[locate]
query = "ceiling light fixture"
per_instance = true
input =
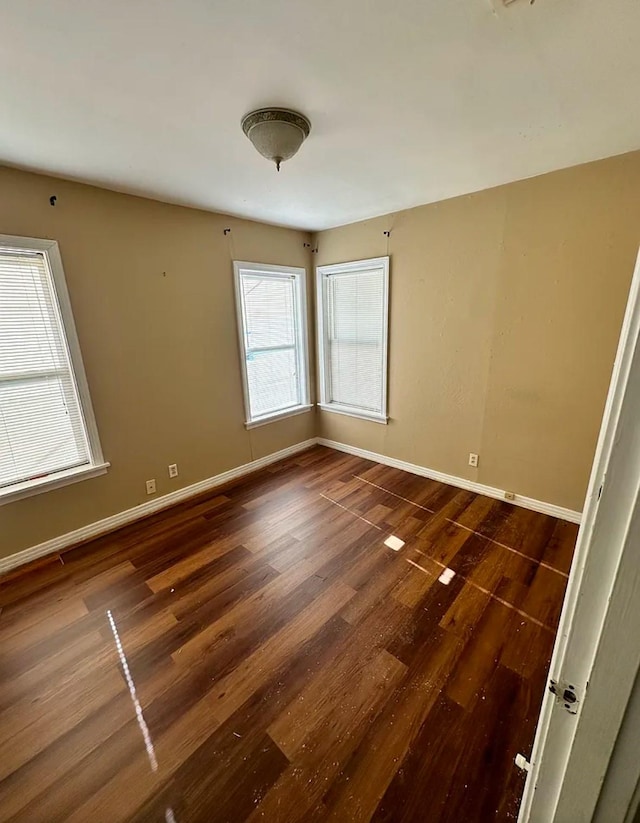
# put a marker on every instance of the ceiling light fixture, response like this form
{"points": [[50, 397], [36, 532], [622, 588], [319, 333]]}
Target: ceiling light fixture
{"points": [[276, 133]]}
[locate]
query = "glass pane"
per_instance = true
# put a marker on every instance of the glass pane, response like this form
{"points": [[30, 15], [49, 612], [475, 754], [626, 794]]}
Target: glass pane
{"points": [[36, 430], [30, 339], [356, 374], [273, 381], [269, 308], [41, 423], [356, 325]]}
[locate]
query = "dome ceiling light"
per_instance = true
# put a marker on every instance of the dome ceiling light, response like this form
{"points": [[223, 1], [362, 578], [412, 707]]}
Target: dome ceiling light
{"points": [[276, 133]]}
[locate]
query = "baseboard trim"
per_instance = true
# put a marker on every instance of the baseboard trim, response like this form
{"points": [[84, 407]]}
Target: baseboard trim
{"points": [[452, 480], [109, 524]]}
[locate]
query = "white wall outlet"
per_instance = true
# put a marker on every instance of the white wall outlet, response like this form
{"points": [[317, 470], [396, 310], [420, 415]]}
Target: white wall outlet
{"points": [[473, 460], [509, 495], [173, 470], [151, 486]]}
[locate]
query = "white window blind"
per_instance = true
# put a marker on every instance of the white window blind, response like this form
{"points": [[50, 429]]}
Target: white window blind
{"points": [[352, 325], [273, 339], [42, 423]]}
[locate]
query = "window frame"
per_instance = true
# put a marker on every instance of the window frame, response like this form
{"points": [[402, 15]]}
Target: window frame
{"points": [[97, 465], [324, 377], [299, 276]]}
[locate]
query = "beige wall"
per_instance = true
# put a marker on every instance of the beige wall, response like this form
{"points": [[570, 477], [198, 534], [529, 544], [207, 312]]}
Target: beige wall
{"points": [[505, 312], [160, 352], [506, 309]]}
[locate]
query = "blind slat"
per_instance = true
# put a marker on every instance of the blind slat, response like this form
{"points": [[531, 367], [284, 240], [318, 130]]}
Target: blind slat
{"points": [[42, 429], [271, 342], [354, 306]]}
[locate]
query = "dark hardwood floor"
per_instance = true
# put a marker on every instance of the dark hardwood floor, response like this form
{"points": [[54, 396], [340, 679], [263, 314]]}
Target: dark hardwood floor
{"points": [[259, 653]]}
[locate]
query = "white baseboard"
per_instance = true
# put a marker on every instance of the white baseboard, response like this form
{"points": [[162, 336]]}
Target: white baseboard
{"points": [[460, 482], [109, 524]]}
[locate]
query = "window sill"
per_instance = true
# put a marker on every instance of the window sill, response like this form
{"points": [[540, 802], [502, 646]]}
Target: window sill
{"points": [[281, 415], [45, 484], [351, 412]]}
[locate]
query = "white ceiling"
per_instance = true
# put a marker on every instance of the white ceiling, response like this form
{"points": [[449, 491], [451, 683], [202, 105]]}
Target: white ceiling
{"points": [[411, 101]]}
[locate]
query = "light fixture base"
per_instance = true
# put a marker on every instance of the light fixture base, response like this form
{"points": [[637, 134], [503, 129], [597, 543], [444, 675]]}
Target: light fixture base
{"points": [[276, 133]]}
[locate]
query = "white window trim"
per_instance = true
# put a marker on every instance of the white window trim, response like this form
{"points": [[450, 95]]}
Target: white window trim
{"points": [[97, 464], [300, 276], [322, 273]]}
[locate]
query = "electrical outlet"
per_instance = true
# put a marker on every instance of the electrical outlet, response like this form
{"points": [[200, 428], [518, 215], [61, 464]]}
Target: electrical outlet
{"points": [[173, 470], [509, 495], [151, 486], [473, 460]]}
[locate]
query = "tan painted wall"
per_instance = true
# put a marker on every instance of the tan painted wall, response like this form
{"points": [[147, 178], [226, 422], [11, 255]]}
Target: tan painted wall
{"points": [[160, 352], [505, 312], [506, 309]]}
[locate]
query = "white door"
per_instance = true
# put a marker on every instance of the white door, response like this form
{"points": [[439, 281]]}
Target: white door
{"points": [[597, 649]]}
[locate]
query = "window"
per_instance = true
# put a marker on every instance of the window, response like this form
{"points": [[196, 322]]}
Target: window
{"points": [[352, 337], [48, 436], [272, 314]]}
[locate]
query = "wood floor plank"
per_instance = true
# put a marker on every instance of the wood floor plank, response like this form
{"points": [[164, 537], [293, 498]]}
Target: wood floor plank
{"points": [[315, 709], [357, 791], [259, 653], [75, 764], [317, 760], [123, 794], [223, 756], [27, 729], [234, 689], [482, 654]]}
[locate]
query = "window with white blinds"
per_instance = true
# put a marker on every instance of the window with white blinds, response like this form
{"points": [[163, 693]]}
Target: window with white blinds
{"points": [[273, 340], [44, 435], [352, 332]]}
